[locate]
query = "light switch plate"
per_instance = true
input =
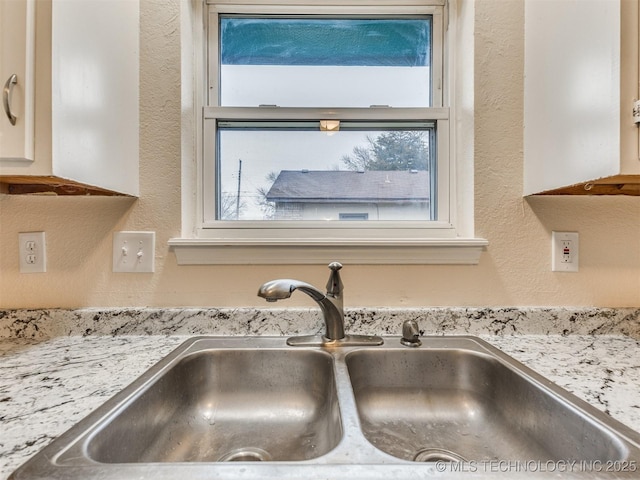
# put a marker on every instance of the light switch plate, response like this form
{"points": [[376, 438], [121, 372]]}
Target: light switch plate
{"points": [[134, 252]]}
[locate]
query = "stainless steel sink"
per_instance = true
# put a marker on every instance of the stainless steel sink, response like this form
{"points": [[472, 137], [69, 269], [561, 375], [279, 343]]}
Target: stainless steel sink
{"points": [[256, 408], [228, 405], [459, 404]]}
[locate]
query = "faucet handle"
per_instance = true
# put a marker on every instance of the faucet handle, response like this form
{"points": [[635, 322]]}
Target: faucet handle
{"points": [[334, 285]]}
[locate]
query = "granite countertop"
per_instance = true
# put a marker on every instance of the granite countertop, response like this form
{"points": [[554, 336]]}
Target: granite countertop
{"points": [[50, 382]]}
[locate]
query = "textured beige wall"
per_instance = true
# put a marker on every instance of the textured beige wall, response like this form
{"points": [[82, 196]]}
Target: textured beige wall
{"points": [[514, 271]]}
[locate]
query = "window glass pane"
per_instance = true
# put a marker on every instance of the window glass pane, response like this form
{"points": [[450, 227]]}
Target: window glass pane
{"points": [[319, 62], [297, 172]]}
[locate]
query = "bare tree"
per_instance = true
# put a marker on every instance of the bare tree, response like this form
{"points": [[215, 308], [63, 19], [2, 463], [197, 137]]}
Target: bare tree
{"points": [[268, 208], [229, 206]]}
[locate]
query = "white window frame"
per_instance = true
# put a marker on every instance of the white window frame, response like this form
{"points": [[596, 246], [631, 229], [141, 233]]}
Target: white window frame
{"points": [[206, 240]]}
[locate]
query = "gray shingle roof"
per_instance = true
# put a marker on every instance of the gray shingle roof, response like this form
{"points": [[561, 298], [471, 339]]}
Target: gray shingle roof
{"points": [[348, 186]]}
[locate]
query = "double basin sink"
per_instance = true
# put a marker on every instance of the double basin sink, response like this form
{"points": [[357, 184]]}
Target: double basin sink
{"points": [[256, 408]]}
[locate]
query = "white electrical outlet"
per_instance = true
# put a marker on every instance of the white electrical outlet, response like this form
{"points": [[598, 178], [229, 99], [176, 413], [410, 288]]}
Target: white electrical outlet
{"points": [[564, 251], [134, 252], [33, 252]]}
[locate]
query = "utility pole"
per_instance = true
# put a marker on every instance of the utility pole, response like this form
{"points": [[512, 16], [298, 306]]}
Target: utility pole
{"points": [[238, 195]]}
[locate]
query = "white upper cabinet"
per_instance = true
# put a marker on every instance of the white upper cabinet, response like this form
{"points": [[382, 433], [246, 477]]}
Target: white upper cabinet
{"points": [[83, 89], [17, 36], [581, 82]]}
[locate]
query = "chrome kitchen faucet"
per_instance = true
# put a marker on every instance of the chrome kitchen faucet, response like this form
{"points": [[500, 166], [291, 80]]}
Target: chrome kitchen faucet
{"points": [[331, 305]]}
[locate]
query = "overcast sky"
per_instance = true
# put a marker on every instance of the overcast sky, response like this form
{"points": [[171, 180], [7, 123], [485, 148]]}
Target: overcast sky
{"points": [[263, 152]]}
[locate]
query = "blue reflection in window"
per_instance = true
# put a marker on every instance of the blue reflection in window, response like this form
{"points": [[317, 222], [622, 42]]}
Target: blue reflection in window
{"points": [[340, 42]]}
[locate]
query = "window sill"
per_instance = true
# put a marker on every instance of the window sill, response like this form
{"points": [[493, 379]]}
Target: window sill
{"points": [[449, 251]]}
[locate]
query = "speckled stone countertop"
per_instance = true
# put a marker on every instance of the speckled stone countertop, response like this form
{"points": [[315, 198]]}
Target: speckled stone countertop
{"points": [[56, 366]]}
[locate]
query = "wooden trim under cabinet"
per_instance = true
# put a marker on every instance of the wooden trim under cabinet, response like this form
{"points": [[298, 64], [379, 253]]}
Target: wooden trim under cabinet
{"points": [[49, 185], [615, 185]]}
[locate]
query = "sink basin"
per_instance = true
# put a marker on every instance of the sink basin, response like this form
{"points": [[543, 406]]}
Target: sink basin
{"points": [[462, 405], [249, 408], [228, 405]]}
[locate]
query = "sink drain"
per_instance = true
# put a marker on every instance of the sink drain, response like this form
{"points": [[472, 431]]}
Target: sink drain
{"points": [[249, 454], [437, 455]]}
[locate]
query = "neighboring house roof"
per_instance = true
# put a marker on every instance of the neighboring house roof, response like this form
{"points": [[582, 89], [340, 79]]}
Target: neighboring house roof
{"points": [[347, 186]]}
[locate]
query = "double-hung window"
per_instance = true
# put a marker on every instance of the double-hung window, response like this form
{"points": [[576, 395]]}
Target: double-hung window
{"points": [[326, 130]]}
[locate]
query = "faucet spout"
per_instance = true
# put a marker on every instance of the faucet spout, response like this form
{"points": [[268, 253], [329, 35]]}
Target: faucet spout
{"points": [[331, 303]]}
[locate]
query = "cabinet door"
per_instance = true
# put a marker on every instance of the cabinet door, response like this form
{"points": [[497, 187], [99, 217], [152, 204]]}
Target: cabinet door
{"points": [[581, 79], [17, 52]]}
